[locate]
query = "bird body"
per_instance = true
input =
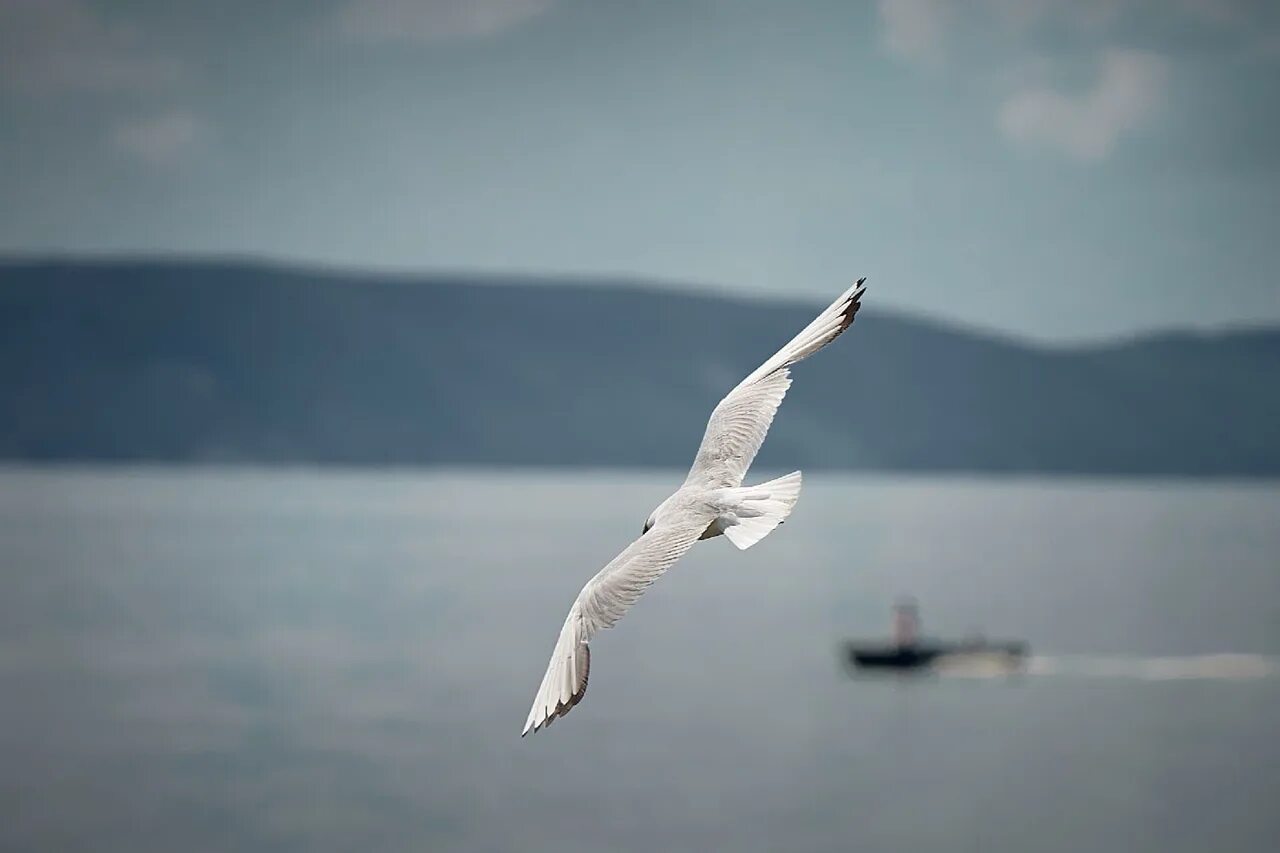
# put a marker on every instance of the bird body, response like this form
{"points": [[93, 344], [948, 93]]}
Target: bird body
{"points": [[711, 502]]}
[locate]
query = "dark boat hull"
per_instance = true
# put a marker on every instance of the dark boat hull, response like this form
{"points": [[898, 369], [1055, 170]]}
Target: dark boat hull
{"points": [[920, 655]]}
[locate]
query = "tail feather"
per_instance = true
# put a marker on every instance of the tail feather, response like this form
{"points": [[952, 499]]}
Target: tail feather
{"points": [[761, 508]]}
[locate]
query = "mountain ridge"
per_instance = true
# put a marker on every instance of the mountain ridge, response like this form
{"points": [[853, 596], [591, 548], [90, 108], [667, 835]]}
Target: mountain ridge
{"points": [[234, 360]]}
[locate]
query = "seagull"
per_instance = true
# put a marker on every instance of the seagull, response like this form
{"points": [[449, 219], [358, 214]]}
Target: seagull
{"points": [[711, 501]]}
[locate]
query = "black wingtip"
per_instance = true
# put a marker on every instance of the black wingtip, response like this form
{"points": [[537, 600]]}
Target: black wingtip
{"points": [[563, 708], [855, 302]]}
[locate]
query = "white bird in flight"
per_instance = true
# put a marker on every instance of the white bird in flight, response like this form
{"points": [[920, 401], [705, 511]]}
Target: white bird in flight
{"points": [[711, 501]]}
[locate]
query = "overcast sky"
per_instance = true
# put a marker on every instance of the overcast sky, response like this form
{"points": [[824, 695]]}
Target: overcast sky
{"points": [[1059, 170]]}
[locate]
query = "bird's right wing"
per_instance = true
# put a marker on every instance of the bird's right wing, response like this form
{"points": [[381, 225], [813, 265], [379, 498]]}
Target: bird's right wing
{"points": [[741, 420], [602, 602]]}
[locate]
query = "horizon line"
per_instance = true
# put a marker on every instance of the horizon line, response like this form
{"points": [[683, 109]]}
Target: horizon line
{"points": [[606, 279]]}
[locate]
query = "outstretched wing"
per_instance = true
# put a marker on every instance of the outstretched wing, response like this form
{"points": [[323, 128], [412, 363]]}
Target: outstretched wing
{"points": [[602, 602], [741, 420]]}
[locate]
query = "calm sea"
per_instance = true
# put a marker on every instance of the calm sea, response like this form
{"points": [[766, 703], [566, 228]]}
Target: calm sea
{"points": [[260, 661]]}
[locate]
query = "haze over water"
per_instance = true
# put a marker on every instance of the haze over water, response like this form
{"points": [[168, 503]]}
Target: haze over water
{"points": [[251, 660]]}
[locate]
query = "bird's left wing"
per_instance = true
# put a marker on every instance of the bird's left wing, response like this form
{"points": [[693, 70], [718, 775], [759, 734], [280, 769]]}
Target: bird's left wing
{"points": [[602, 602], [737, 427]]}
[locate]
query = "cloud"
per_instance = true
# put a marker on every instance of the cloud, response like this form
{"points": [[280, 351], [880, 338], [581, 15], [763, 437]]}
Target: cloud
{"points": [[159, 140], [914, 30], [57, 46], [997, 45], [1086, 126], [430, 20]]}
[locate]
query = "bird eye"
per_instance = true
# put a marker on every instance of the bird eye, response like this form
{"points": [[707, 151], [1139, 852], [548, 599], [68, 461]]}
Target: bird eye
{"points": [[647, 525]]}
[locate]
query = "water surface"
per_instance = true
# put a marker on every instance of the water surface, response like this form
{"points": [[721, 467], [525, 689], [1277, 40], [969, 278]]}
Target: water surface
{"points": [[246, 660]]}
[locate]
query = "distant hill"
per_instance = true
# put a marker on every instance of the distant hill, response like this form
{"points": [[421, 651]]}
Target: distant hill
{"points": [[242, 362]]}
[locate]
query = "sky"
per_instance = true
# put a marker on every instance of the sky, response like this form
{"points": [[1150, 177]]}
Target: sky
{"points": [[1055, 170]]}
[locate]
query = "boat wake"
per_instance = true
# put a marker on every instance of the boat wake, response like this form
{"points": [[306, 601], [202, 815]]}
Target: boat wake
{"points": [[1217, 667], [1227, 667]]}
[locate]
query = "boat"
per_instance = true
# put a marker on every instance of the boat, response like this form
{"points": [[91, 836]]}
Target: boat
{"points": [[907, 650]]}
